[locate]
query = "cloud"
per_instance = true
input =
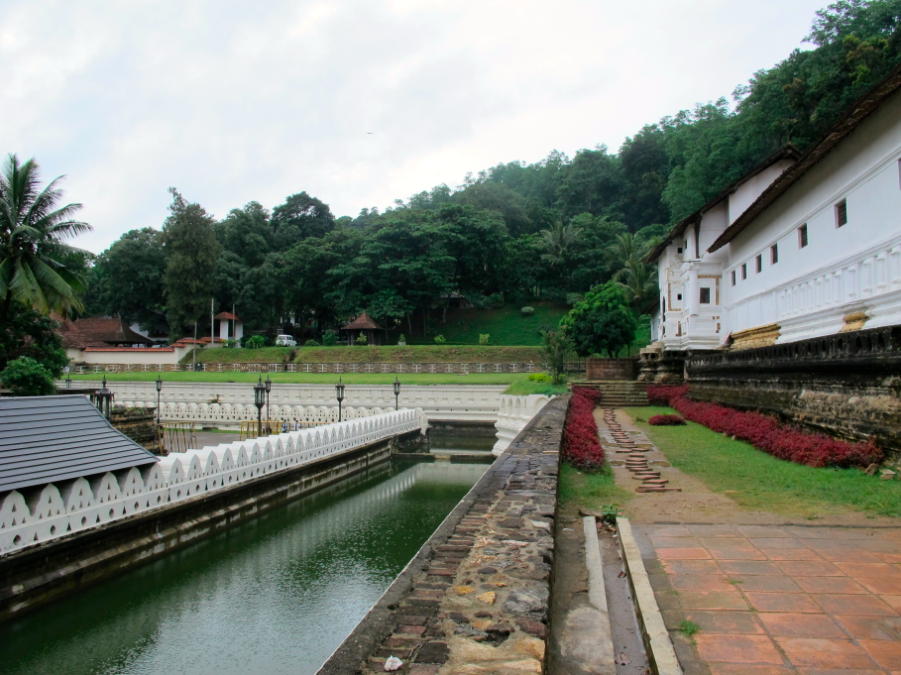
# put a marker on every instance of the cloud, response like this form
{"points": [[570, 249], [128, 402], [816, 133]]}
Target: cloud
{"points": [[232, 102]]}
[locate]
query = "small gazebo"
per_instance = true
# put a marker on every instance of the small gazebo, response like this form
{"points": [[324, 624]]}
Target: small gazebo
{"points": [[366, 325]]}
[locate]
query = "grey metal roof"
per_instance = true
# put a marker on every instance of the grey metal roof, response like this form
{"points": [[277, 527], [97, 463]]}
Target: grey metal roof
{"points": [[51, 438]]}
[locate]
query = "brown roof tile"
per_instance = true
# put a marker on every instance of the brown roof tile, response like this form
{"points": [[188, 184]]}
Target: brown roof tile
{"points": [[363, 322]]}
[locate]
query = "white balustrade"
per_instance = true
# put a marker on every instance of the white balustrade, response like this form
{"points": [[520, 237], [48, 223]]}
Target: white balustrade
{"points": [[514, 414], [36, 515]]}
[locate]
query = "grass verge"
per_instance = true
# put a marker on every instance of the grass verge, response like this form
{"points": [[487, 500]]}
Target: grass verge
{"points": [[385, 354], [527, 387], [590, 491], [314, 378], [756, 480]]}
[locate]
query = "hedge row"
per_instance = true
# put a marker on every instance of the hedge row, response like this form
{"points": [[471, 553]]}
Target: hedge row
{"points": [[666, 421], [765, 433], [581, 446]]}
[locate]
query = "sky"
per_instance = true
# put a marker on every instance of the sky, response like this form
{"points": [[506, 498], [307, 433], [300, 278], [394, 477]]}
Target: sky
{"points": [[357, 102]]}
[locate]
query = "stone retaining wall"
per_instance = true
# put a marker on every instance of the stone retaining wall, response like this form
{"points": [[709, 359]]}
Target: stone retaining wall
{"points": [[477, 593], [611, 369]]}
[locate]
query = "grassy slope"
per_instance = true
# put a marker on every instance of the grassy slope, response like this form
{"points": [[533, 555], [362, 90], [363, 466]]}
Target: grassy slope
{"points": [[314, 378], [506, 325], [758, 481], [590, 491], [392, 354], [527, 387]]}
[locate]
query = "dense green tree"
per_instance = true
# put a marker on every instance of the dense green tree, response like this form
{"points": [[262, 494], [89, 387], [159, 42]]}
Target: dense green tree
{"points": [[191, 254], [27, 332], [33, 249], [27, 377], [556, 348], [127, 278], [602, 322], [511, 206], [301, 216]]}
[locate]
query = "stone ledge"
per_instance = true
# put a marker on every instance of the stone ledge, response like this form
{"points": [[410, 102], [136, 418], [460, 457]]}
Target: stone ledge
{"points": [[490, 561]]}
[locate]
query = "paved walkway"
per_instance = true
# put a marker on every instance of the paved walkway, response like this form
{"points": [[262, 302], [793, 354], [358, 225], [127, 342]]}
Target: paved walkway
{"points": [[768, 598]]}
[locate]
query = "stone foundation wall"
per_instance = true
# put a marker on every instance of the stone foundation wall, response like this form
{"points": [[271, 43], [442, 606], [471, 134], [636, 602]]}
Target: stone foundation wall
{"points": [[477, 593], [611, 369], [847, 385], [139, 424]]}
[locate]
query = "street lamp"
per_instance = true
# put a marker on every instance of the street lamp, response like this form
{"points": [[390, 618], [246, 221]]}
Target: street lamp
{"points": [[104, 398], [259, 399], [268, 389], [68, 381], [339, 394], [159, 388], [396, 391]]}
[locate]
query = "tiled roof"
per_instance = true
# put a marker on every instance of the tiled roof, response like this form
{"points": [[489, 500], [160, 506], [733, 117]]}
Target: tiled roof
{"points": [[227, 315], [73, 338], [108, 330], [44, 439], [363, 322], [129, 349]]}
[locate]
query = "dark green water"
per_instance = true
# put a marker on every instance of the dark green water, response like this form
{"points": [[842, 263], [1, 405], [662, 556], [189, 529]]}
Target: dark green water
{"points": [[274, 595]]}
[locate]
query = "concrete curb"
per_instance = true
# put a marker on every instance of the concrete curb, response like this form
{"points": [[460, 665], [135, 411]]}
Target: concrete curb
{"points": [[660, 650], [597, 595]]}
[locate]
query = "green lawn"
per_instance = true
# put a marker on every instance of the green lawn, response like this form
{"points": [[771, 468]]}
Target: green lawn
{"points": [[757, 480], [527, 387], [314, 378], [590, 491], [506, 325]]}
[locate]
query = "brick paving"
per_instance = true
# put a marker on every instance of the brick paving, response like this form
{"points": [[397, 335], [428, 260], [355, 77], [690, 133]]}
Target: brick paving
{"points": [[780, 600]]}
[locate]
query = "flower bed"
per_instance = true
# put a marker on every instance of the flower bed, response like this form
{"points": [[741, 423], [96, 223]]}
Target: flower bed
{"points": [[766, 433], [666, 421], [581, 446]]}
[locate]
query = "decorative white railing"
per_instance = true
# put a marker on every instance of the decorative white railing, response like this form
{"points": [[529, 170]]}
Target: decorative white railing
{"points": [[514, 414], [45, 512]]}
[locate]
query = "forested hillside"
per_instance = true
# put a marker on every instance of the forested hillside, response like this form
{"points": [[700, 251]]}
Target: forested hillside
{"points": [[513, 232]]}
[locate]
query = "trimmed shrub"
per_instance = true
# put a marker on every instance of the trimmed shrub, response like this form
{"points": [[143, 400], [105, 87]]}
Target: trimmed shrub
{"points": [[783, 441], [528, 311], [440, 340], [483, 338], [27, 377], [330, 338], [311, 343], [540, 377], [581, 447], [666, 421]]}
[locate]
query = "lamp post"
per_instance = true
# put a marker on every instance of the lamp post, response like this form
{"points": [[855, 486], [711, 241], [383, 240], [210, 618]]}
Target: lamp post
{"points": [[104, 398], [68, 381], [268, 389], [259, 399], [159, 388], [396, 391], [339, 394]]}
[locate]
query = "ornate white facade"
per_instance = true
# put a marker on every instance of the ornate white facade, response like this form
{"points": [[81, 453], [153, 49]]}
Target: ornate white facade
{"points": [[803, 246]]}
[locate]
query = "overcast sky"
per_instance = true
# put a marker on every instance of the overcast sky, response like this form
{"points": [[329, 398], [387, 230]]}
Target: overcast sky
{"points": [[237, 101]]}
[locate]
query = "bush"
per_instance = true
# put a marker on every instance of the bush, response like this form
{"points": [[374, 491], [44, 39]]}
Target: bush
{"points": [[494, 300], [311, 343], [402, 339], [602, 322], [666, 421], [581, 447], [528, 311], [483, 338], [330, 338], [229, 344], [540, 377], [361, 340], [663, 394], [440, 340], [255, 342], [765, 433], [26, 377]]}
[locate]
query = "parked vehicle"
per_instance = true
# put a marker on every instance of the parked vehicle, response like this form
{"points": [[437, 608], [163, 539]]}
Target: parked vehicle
{"points": [[285, 341]]}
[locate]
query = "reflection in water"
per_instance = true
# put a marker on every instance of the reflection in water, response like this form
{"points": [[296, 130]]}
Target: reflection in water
{"points": [[273, 595]]}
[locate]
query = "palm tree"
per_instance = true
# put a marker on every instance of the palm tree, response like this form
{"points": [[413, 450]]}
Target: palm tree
{"points": [[559, 241], [34, 257], [639, 281]]}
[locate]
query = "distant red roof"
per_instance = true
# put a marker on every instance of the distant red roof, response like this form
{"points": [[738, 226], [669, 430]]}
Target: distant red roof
{"points": [[363, 322], [227, 315], [206, 340], [129, 349], [105, 330], [73, 338]]}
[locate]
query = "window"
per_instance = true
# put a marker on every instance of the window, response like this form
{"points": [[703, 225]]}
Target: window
{"points": [[733, 277], [841, 213], [679, 250], [759, 264], [774, 254], [744, 271], [802, 236], [678, 296], [705, 296]]}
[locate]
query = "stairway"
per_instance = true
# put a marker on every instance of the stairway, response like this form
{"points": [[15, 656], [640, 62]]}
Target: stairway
{"points": [[620, 393]]}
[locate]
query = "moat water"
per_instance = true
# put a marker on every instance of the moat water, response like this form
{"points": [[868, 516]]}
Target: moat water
{"points": [[274, 595]]}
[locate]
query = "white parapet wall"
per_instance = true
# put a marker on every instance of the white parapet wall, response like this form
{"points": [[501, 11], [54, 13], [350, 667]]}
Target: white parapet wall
{"points": [[514, 413], [226, 404], [42, 513]]}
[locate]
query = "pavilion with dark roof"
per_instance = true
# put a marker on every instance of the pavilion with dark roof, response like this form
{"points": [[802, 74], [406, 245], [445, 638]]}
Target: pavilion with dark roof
{"points": [[366, 325]]}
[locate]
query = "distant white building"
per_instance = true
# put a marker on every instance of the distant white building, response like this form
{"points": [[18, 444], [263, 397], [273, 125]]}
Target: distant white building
{"points": [[803, 246]]}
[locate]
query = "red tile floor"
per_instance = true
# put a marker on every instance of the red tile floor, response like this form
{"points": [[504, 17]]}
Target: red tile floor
{"points": [[779, 600]]}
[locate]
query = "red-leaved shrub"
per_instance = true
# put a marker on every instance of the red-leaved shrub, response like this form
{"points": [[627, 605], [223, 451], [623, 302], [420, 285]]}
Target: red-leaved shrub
{"points": [[581, 446], [662, 394], [768, 434], [666, 421]]}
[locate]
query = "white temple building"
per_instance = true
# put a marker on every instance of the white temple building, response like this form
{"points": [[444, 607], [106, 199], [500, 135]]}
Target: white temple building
{"points": [[802, 246]]}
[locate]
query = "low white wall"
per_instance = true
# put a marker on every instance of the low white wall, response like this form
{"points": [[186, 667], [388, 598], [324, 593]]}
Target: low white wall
{"points": [[226, 404], [46, 512], [514, 413]]}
